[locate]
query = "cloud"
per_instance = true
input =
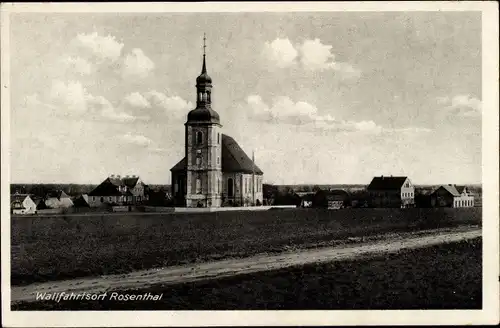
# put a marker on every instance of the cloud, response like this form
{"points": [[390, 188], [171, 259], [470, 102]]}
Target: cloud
{"points": [[285, 111], [281, 52], [137, 63], [103, 109], [311, 55], [77, 64], [69, 95], [316, 56], [71, 98], [173, 105], [462, 105], [135, 99], [138, 140], [102, 47]]}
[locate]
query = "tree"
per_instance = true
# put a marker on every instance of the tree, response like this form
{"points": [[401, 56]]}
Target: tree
{"points": [[316, 188]]}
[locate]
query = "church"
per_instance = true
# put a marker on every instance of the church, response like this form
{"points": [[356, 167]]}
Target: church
{"points": [[215, 171]]}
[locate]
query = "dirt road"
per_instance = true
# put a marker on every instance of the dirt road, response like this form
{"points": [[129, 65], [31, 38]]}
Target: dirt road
{"points": [[217, 269]]}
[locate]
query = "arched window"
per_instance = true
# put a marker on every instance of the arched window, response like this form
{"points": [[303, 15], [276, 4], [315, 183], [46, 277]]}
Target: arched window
{"points": [[218, 138], [230, 187], [218, 160], [199, 138]]}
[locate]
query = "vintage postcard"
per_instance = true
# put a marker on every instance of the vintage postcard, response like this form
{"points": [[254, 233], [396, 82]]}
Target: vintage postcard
{"points": [[215, 164]]}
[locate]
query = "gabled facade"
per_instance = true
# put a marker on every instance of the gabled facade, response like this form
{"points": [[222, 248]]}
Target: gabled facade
{"points": [[450, 196], [22, 204], [215, 171], [391, 192], [117, 190]]}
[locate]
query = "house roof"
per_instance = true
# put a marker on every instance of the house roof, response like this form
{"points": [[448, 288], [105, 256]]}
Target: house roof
{"points": [[57, 194], [18, 197], [81, 201], [109, 187], [451, 189], [386, 183], [234, 159]]}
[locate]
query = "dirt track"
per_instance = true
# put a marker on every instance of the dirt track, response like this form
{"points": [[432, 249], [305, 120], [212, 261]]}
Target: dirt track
{"points": [[180, 274]]}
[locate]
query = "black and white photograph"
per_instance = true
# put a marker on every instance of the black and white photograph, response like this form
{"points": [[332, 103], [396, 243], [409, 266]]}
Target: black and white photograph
{"points": [[249, 156]]}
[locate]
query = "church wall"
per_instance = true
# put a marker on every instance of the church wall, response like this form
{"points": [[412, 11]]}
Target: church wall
{"points": [[242, 188]]}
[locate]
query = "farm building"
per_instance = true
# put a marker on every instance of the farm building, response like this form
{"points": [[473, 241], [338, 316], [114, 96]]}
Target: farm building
{"points": [[58, 199], [117, 190], [22, 204], [450, 196], [331, 199], [215, 170], [391, 192]]}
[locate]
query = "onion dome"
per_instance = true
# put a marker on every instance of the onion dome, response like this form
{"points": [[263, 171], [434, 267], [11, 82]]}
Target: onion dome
{"points": [[204, 78], [203, 115]]}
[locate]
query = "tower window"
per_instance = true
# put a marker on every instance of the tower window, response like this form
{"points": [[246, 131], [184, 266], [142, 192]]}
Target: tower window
{"points": [[218, 138], [199, 138], [198, 185], [198, 156], [218, 160]]}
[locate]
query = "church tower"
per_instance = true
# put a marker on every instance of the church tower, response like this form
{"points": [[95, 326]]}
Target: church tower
{"points": [[203, 147]]}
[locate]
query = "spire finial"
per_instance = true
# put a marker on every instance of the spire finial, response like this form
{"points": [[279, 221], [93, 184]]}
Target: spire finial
{"points": [[204, 68]]}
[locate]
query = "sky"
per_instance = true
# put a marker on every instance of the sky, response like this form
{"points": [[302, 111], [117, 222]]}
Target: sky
{"points": [[321, 98]]}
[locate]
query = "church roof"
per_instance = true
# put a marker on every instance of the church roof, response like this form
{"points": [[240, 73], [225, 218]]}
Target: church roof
{"points": [[234, 159]]}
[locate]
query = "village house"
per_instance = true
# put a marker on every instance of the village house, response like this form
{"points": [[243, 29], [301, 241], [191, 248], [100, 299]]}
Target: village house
{"points": [[22, 204], [450, 196], [215, 171], [306, 198], [331, 199], [117, 190], [391, 192], [58, 199]]}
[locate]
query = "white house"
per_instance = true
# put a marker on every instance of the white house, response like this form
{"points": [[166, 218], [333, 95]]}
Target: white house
{"points": [[22, 204]]}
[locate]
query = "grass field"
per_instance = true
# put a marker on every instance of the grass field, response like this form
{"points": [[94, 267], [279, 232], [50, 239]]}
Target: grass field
{"points": [[45, 249], [440, 277]]}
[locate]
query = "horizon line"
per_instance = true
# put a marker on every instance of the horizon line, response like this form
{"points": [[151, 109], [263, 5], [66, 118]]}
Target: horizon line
{"points": [[269, 183]]}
